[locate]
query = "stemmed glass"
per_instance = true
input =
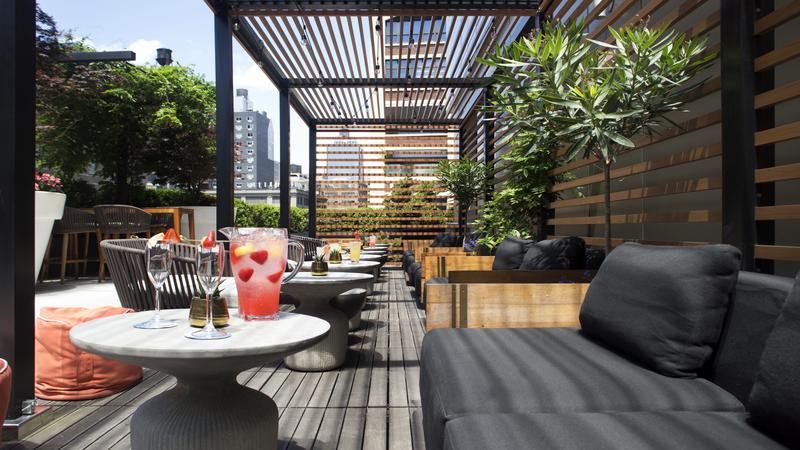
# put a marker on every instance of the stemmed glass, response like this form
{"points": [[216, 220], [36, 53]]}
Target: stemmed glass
{"points": [[158, 259], [210, 264]]}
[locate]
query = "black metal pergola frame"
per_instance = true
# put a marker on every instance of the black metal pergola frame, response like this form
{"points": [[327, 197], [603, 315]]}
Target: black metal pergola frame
{"points": [[327, 60]]}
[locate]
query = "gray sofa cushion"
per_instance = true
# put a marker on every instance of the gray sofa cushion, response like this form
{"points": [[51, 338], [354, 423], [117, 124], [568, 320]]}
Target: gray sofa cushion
{"points": [[663, 306], [469, 371], [555, 254], [509, 254], [607, 431], [755, 305], [775, 400]]}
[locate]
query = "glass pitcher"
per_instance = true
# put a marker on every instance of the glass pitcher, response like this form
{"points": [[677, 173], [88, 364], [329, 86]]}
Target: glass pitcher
{"points": [[258, 259]]}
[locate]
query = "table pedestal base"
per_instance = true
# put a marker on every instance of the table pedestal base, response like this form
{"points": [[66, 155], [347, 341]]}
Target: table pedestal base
{"points": [[206, 415], [329, 353]]}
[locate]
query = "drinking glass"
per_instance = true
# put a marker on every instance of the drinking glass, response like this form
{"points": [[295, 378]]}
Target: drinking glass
{"points": [[355, 251], [210, 264], [158, 259]]}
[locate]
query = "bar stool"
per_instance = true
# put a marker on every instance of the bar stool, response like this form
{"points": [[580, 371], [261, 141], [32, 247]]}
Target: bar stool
{"points": [[74, 225], [115, 221]]}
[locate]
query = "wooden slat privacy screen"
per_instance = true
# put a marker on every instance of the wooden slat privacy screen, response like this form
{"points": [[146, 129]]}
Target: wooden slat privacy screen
{"points": [[360, 168], [668, 189]]}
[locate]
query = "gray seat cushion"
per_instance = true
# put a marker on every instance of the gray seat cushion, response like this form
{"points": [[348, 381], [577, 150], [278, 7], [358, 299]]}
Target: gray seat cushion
{"points": [[508, 255], [468, 371], [607, 431], [663, 306], [555, 254]]}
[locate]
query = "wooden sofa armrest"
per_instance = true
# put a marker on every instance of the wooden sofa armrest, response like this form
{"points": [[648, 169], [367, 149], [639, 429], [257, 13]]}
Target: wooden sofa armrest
{"points": [[521, 276], [435, 251], [504, 305]]}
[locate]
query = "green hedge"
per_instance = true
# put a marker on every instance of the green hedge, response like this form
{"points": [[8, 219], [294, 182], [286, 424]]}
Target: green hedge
{"points": [[265, 215], [81, 194]]}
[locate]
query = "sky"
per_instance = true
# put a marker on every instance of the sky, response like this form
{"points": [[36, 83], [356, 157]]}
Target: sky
{"points": [[186, 27]]}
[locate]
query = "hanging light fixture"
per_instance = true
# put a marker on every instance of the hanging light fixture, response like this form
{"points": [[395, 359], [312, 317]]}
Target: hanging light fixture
{"points": [[304, 37]]}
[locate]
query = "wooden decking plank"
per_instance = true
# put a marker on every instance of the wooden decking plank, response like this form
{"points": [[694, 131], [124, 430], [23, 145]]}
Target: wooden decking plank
{"points": [[398, 393], [411, 372], [324, 389], [417, 434], [275, 382], [103, 426], [290, 418], [330, 429], [288, 389], [375, 431], [352, 435], [399, 429], [306, 432], [305, 390], [119, 432]]}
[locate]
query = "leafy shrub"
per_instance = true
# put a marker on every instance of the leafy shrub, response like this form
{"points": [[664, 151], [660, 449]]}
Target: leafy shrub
{"points": [[268, 216]]}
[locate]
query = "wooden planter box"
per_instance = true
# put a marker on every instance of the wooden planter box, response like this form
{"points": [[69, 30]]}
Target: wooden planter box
{"points": [[507, 299]]}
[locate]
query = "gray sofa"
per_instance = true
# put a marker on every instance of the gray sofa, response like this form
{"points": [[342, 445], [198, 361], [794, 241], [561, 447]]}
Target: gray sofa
{"points": [[626, 379]]}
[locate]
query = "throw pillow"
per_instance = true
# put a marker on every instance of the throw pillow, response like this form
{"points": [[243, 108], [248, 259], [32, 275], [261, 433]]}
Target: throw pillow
{"points": [[509, 254], [555, 254], [662, 306], [775, 398]]}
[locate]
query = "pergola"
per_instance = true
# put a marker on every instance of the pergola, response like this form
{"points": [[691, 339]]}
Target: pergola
{"points": [[357, 62]]}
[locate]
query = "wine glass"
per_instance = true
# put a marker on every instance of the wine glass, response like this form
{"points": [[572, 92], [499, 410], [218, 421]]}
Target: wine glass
{"points": [[210, 264], [158, 259]]}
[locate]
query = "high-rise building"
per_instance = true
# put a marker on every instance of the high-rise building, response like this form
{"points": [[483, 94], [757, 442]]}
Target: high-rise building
{"points": [[254, 146]]}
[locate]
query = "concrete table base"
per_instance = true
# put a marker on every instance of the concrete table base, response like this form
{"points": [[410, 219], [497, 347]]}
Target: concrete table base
{"points": [[207, 409], [314, 295], [329, 353], [198, 414]]}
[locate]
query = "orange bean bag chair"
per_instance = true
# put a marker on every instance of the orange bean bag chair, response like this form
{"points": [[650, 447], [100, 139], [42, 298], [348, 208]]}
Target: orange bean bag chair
{"points": [[65, 373], [5, 387]]}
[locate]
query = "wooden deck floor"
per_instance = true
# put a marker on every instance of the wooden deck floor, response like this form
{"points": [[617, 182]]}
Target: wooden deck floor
{"points": [[372, 402]]}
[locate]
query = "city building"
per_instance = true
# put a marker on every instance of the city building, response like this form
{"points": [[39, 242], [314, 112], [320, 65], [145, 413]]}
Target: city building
{"points": [[255, 166]]}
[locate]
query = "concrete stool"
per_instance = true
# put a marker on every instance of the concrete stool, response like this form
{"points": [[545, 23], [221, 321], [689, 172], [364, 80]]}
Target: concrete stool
{"points": [[351, 303]]}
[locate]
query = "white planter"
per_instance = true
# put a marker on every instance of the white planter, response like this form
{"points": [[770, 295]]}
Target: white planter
{"points": [[49, 207], [205, 220]]}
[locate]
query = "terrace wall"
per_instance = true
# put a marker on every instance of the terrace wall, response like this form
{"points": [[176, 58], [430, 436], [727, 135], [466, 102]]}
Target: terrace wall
{"points": [[668, 189]]}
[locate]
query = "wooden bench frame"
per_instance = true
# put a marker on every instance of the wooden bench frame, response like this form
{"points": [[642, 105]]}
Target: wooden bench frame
{"points": [[507, 299], [434, 266]]}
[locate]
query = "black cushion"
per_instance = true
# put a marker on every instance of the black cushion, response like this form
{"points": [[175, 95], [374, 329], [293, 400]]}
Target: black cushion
{"points": [[555, 254], [755, 306], [775, 400], [411, 270], [594, 258], [607, 431], [469, 371], [509, 254], [663, 306]]}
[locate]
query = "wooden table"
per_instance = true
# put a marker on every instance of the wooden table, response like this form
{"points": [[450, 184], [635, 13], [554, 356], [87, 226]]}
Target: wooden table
{"points": [[207, 409], [177, 213]]}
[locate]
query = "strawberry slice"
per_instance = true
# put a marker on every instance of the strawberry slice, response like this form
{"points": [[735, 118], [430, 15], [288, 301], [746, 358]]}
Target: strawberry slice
{"points": [[171, 236], [259, 256], [245, 274], [209, 241], [275, 277]]}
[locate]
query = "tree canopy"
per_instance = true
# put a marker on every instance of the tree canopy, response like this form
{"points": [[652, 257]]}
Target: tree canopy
{"points": [[128, 121]]}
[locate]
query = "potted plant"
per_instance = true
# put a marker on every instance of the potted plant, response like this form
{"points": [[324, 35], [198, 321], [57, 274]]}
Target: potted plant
{"points": [[335, 254], [48, 207], [466, 180], [594, 98], [219, 305], [319, 266]]}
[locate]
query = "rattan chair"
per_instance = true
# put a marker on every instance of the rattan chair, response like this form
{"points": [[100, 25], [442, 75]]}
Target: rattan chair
{"points": [[74, 225], [119, 221], [309, 244], [126, 265]]}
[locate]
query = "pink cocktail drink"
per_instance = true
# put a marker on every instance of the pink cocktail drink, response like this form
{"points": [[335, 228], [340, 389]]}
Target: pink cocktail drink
{"points": [[258, 265]]}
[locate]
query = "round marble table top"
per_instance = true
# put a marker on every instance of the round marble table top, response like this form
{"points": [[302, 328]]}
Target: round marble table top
{"points": [[115, 336], [345, 266]]}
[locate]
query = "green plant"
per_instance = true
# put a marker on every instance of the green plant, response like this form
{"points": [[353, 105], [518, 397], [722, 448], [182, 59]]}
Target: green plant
{"points": [[268, 216], [593, 97], [465, 179], [500, 217]]}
